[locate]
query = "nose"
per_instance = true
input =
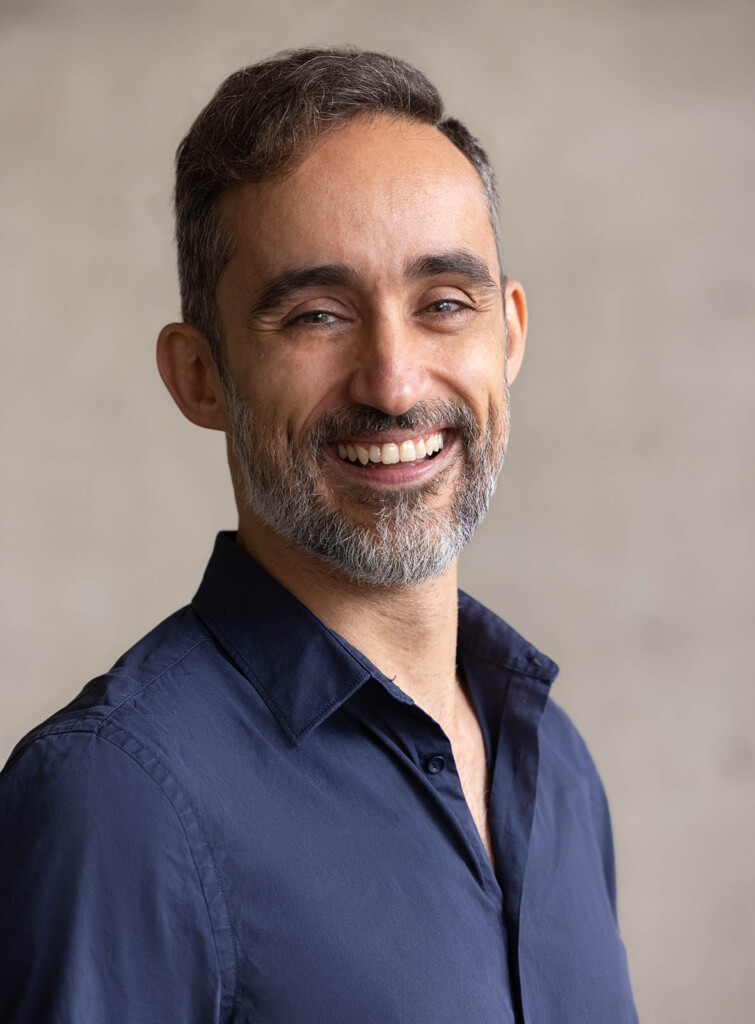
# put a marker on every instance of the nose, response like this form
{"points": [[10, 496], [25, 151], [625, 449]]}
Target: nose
{"points": [[390, 367]]}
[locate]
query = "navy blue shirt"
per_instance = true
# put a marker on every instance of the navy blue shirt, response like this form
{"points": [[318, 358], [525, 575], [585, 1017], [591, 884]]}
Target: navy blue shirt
{"points": [[245, 821]]}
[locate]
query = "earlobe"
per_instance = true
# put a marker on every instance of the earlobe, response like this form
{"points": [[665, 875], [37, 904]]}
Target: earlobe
{"points": [[516, 327], [188, 371]]}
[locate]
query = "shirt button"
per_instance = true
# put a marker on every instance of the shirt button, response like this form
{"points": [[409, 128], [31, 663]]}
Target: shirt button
{"points": [[436, 764]]}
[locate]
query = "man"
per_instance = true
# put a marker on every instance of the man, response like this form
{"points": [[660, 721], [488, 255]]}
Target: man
{"points": [[332, 789]]}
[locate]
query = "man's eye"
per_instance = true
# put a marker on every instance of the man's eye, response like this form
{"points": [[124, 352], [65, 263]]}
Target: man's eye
{"points": [[446, 306], [315, 317]]}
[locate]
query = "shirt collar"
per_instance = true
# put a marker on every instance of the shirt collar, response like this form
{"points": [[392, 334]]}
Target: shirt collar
{"points": [[485, 634], [302, 669]]}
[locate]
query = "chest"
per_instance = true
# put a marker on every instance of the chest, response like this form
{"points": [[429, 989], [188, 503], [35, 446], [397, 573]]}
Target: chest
{"points": [[352, 900], [471, 764], [354, 895]]}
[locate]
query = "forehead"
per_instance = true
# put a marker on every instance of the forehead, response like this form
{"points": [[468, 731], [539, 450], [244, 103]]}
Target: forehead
{"points": [[371, 195]]}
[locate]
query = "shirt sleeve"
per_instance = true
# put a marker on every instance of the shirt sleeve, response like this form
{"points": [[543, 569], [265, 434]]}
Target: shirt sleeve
{"points": [[102, 915]]}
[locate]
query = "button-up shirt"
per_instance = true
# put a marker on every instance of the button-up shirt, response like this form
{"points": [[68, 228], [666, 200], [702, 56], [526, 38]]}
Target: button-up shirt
{"points": [[246, 821]]}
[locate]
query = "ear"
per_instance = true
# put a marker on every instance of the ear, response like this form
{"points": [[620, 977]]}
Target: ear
{"points": [[516, 322], [189, 372]]}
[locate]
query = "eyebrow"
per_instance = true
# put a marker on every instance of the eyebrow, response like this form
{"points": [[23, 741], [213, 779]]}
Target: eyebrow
{"points": [[295, 279], [458, 261]]}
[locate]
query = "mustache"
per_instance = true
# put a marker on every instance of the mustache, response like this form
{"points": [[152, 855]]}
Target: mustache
{"points": [[424, 417]]}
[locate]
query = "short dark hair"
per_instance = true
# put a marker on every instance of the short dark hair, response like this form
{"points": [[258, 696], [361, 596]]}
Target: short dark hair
{"points": [[262, 123]]}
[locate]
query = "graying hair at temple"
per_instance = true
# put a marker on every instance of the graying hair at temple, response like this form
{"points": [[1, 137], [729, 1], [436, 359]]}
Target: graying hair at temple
{"points": [[262, 123]]}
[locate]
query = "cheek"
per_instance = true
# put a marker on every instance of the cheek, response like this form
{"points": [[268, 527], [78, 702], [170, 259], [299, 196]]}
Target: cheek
{"points": [[291, 390], [478, 373]]}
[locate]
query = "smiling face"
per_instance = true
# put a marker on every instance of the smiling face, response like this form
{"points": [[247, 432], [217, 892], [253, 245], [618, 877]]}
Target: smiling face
{"points": [[365, 352]]}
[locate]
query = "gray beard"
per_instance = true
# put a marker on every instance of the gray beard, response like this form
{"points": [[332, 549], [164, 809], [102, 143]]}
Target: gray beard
{"points": [[409, 542]]}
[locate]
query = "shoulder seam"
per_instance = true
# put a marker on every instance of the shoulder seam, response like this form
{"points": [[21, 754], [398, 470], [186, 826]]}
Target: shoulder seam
{"points": [[210, 917], [135, 693], [107, 739]]}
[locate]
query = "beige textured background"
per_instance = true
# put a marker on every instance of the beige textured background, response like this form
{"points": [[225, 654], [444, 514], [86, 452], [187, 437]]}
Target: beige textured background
{"points": [[619, 540]]}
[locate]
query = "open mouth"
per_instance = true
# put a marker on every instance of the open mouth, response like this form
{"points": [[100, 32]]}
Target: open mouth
{"points": [[410, 451]]}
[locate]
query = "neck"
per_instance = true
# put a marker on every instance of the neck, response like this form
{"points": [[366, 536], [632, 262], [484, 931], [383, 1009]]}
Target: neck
{"points": [[409, 633]]}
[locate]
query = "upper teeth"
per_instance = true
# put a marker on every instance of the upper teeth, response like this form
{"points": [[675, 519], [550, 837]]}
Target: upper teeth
{"points": [[390, 453]]}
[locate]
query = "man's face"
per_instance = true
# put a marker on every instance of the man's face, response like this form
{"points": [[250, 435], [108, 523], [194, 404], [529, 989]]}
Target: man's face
{"points": [[365, 351]]}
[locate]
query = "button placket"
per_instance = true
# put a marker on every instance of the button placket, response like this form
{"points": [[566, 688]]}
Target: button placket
{"points": [[441, 773], [429, 749]]}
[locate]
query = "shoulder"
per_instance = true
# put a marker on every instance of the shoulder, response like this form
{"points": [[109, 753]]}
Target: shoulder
{"points": [[561, 741], [120, 743], [106, 875], [81, 778], [129, 698], [69, 775], [565, 760], [100, 801]]}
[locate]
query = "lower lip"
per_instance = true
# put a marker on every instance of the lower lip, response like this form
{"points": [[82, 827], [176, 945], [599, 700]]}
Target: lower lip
{"points": [[400, 473]]}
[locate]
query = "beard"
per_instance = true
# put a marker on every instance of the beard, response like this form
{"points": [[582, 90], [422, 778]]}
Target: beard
{"points": [[410, 539]]}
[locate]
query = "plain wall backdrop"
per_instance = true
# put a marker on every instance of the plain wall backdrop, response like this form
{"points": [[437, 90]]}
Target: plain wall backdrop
{"points": [[619, 539]]}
